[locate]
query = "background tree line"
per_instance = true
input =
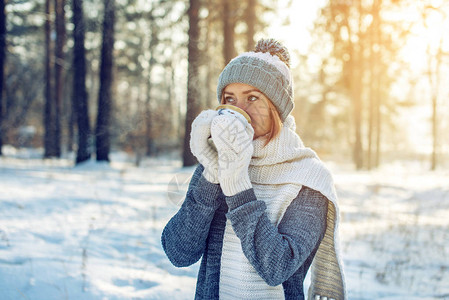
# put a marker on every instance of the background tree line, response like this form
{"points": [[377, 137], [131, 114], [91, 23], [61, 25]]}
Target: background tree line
{"points": [[94, 76]]}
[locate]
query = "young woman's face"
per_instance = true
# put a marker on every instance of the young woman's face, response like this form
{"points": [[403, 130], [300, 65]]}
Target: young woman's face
{"points": [[254, 102]]}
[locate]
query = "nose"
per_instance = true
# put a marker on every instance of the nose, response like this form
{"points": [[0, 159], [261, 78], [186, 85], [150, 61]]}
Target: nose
{"points": [[240, 104]]}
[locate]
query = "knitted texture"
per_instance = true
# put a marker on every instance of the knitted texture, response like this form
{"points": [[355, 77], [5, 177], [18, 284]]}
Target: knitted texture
{"points": [[232, 136], [265, 168], [264, 70], [200, 147], [239, 279], [281, 254]]}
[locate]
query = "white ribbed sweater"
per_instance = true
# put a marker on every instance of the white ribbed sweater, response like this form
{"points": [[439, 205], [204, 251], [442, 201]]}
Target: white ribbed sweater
{"points": [[277, 173], [238, 278]]}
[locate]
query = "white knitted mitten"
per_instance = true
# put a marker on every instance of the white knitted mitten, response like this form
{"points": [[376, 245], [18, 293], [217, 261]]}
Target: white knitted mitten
{"points": [[206, 155], [233, 136]]}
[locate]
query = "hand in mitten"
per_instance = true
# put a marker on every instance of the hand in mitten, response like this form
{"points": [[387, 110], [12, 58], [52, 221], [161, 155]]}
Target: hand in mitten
{"points": [[233, 136], [206, 155]]}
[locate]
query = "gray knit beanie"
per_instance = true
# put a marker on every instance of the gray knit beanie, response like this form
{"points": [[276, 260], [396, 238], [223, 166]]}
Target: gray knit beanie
{"points": [[267, 68]]}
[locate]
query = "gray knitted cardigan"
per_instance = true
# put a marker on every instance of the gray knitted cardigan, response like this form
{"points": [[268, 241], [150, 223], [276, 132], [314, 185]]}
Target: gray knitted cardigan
{"points": [[280, 255]]}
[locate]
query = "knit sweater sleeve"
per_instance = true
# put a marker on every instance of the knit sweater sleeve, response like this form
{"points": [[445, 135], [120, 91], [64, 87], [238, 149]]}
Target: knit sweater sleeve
{"points": [[184, 237], [276, 253]]}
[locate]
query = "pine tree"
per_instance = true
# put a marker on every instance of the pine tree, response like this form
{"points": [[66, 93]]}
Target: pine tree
{"points": [[79, 93], [102, 131], [2, 64], [59, 73], [193, 79], [49, 135]]}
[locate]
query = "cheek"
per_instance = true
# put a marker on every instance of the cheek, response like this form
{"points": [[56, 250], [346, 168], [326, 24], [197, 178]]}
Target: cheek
{"points": [[260, 118], [258, 113]]}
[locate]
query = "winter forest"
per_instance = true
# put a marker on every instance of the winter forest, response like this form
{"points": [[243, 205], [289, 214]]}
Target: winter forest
{"points": [[97, 99]]}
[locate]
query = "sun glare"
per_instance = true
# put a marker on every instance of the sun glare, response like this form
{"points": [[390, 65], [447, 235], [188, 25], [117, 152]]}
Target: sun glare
{"points": [[426, 35], [293, 25]]}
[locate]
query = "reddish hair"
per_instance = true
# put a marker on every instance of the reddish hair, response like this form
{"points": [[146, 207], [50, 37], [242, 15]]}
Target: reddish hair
{"points": [[276, 122]]}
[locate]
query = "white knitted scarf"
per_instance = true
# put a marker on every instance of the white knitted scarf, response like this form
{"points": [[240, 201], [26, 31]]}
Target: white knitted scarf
{"points": [[277, 171]]}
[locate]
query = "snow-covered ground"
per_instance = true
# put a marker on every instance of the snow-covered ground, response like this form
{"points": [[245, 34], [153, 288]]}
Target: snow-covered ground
{"points": [[93, 231]]}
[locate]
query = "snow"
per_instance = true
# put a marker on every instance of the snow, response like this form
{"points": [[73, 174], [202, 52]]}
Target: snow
{"points": [[93, 231]]}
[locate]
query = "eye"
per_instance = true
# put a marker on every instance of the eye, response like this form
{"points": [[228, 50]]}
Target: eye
{"points": [[228, 100], [253, 98]]}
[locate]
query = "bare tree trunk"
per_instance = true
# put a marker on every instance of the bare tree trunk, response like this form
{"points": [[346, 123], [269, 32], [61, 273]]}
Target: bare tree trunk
{"points": [[70, 126], [433, 165], [79, 93], [69, 109], [59, 72], [149, 143], [102, 130], [434, 79], [174, 123], [369, 156], [374, 88], [378, 117], [193, 100], [355, 55], [49, 105], [210, 41], [434, 63], [378, 105], [228, 30], [378, 86], [357, 111], [2, 64], [149, 139], [251, 24]]}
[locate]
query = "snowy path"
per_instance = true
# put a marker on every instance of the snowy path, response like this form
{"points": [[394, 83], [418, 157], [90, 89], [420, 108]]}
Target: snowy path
{"points": [[93, 232]]}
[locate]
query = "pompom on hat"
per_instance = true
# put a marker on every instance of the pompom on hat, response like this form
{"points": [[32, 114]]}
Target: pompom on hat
{"points": [[267, 68]]}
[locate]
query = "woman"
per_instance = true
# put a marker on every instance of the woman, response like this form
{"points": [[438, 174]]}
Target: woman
{"points": [[260, 207]]}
